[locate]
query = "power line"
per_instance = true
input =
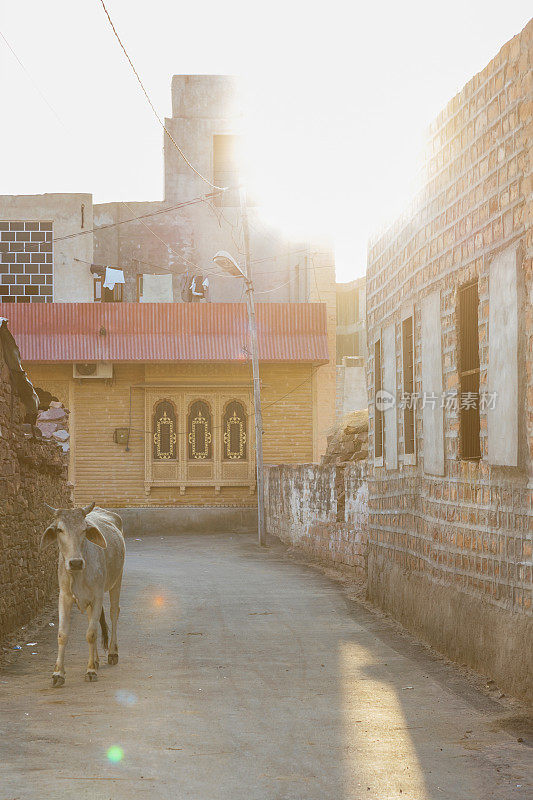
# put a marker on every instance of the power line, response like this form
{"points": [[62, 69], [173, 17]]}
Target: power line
{"points": [[176, 145], [196, 200], [32, 80]]}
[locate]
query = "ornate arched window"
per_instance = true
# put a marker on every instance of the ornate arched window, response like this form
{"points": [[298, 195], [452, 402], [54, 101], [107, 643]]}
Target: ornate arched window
{"points": [[199, 431], [234, 432], [164, 431]]}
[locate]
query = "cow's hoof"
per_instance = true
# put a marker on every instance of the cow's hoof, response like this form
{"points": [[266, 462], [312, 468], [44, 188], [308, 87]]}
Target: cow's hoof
{"points": [[57, 681], [112, 658], [91, 676]]}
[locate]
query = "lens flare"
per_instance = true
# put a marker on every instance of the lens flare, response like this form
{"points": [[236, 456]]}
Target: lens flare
{"points": [[115, 754], [159, 601], [125, 698]]}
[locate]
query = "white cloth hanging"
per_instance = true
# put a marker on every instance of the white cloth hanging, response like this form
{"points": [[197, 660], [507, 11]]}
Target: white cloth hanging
{"points": [[113, 276]]}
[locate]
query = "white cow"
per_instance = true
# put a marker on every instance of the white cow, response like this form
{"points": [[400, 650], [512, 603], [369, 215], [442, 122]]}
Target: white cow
{"points": [[91, 561]]}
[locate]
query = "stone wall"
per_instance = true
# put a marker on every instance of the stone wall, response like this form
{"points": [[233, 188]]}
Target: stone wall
{"points": [[450, 539], [32, 472], [302, 510]]}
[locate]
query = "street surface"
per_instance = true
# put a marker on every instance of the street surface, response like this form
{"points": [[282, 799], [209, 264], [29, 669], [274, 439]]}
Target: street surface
{"points": [[245, 675]]}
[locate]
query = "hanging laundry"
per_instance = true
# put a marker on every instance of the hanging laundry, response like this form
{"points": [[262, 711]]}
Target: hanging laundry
{"points": [[113, 276]]}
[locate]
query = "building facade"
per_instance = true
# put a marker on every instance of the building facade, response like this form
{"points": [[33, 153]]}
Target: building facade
{"points": [[160, 395], [63, 249], [351, 347], [450, 366]]}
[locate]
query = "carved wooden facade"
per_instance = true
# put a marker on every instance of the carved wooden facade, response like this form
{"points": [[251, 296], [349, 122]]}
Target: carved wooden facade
{"points": [[199, 436]]}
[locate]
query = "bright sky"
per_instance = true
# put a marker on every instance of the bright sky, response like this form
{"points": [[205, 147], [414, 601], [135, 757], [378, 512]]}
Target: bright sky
{"points": [[342, 95]]}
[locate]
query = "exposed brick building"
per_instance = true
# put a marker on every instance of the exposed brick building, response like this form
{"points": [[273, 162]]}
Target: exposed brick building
{"points": [[449, 291], [160, 395]]}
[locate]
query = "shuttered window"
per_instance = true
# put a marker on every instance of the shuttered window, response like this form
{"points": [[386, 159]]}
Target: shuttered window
{"points": [[408, 386], [378, 413], [468, 344]]}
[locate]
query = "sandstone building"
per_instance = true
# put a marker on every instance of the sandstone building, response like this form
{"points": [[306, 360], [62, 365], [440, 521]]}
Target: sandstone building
{"points": [[450, 366]]}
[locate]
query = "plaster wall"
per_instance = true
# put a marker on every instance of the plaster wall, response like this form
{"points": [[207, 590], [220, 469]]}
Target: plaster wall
{"points": [[183, 239], [432, 411], [503, 360]]}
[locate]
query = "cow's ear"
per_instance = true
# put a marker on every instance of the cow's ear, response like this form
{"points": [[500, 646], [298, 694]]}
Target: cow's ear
{"points": [[48, 537], [94, 536]]}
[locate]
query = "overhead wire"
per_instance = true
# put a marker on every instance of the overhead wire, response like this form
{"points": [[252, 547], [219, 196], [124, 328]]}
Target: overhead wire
{"points": [[34, 82], [194, 201], [176, 145]]}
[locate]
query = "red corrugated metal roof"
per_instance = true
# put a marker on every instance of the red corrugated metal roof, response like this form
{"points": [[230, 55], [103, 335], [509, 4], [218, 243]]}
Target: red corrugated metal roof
{"points": [[166, 331]]}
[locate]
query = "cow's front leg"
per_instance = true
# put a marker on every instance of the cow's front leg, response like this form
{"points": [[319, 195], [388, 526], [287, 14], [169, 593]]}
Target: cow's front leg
{"points": [[93, 613], [65, 607]]}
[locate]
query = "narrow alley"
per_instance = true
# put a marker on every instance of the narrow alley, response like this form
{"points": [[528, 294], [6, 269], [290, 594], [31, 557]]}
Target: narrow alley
{"points": [[246, 675]]}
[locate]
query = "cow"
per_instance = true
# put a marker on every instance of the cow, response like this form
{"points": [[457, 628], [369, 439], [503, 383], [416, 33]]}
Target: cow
{"points": [[91, 560]]}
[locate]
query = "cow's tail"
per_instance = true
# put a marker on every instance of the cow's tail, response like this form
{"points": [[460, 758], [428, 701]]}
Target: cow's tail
{"points": [[105, 631]]}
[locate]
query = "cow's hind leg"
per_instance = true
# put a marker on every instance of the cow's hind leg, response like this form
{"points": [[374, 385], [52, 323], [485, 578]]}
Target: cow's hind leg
{"points": [[65, 608], [93, 613], [114, 597]]}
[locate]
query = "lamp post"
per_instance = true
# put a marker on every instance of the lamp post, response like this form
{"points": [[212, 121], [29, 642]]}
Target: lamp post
{"points": [[224, 260]]}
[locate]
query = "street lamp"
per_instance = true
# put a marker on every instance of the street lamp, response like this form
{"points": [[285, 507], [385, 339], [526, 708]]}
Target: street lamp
{"points": [[224, 260]]}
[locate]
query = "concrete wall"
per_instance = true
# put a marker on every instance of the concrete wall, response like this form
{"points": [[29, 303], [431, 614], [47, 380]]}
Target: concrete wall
{"points": [[72, 280], [450, 540], [33, 472], [184, 240], [351, 390], [301, 509]]}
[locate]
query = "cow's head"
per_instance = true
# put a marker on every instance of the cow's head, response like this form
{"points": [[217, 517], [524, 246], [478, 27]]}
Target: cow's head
{"points": [[69, 529]]}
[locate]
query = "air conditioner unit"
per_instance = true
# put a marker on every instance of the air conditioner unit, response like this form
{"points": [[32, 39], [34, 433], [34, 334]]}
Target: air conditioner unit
{"points": [[99, 369]]}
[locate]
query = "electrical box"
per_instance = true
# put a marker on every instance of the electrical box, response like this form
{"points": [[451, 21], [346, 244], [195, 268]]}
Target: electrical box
{"points": [[121, 435]]}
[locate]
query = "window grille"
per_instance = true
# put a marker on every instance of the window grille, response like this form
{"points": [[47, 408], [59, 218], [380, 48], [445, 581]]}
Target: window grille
{"points": [[165, 431], [378, 413], [199, 430], [408, 386], [234, 432], [468, 346]]}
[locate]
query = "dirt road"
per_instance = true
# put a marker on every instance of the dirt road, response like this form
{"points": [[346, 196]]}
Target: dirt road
{"points": [[244, 675]]}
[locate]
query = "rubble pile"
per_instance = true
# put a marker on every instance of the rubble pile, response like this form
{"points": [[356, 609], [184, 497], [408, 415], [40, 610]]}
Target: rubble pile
{"points": [[347, 444], [53, 424], [52, 421], [349, 441]]}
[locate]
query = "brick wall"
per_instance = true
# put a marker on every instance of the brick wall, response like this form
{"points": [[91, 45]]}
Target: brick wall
{"points": [[463, 539], [32, 472], [104, 471], [26, 262], [302, 510]]}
